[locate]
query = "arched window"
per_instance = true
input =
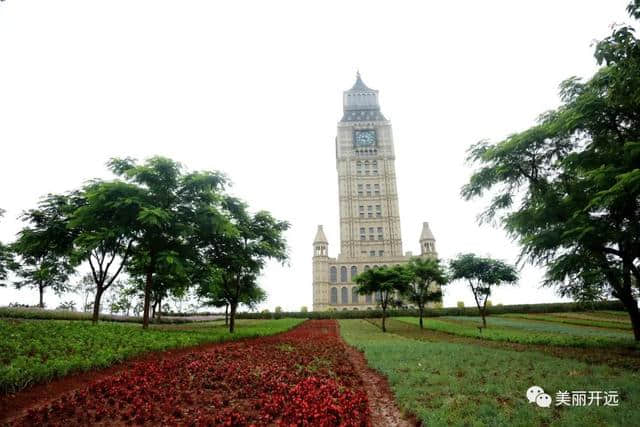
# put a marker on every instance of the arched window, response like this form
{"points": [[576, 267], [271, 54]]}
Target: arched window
{"points": [[354, 272], [354, 296], [366, 267], [344, 297], [375, 266], [343, 274], [333, 275], [334, 295], [369, 299]]}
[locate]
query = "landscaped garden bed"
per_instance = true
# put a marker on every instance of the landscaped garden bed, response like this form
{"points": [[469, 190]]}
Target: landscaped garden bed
{"points": [[303, 376]]}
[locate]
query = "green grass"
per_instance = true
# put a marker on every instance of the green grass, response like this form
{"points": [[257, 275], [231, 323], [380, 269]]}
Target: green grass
{"points": [[527, 332], [574, 319], [33, 351], [446, 383]]}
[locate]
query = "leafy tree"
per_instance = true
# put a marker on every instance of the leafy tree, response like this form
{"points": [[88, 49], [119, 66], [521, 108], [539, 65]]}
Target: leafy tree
{"points": [[304, 309], [171, 206], [7, 262], [46, 245], [106, 228], [278, 309], [385, 282], [67, 305], [568, 189], [482, 274], [426, 275], [239, 253]]}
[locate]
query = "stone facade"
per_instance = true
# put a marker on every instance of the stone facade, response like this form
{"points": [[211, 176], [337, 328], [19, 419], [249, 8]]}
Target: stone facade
{"points": [[369, 211]]}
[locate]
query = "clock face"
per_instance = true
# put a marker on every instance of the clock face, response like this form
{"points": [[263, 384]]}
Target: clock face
{"points": [[365, 138]]}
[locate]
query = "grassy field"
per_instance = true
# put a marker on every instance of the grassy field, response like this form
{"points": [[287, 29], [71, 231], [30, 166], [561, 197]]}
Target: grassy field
{"points": [[452, 383], [598, 320], [527, 331], [33, 351]]}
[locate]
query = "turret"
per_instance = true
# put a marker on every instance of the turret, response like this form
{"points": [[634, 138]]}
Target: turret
{"points": [[320, 244], [427, 241]]}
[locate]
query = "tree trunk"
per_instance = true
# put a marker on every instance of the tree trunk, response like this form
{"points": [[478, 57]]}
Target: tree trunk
{"points": [[153, 309], [96, 306], [232, 318], [384, 318], [147, 298], [159, 307], [634, 314], [226, 315], [421, 316], [41, 289]]}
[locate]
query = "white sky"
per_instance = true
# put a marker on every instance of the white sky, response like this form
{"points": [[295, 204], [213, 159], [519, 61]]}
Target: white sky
{"points": [[254, 89]]}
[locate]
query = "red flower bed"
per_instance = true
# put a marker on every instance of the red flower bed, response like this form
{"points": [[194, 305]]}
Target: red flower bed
{"points": [[301, 377]]}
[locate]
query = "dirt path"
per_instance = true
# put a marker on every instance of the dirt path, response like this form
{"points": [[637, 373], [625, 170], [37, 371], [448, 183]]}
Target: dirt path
{"points": [[383, 409]]}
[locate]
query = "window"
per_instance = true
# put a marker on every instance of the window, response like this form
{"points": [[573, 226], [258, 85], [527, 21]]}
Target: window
{"points": [[334, 295], [354, 296], [370, 215], [379, 229], [363, 237], [366, 267], [369, 208], [371, 237], [362, 230], [368, 298], [376, 189], [354, 272], [368, 189], [360, 193], [381, 253], [343, 274], [344, 295], [379, 236], [372, 253], [333, 275], [375, 167], [378, 211]]}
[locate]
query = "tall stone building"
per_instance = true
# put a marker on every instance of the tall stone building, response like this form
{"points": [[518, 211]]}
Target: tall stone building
{"points": [[369, 211]]}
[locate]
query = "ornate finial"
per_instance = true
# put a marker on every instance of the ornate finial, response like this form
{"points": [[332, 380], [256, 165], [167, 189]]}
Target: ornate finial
{"points": [[358, 74]]}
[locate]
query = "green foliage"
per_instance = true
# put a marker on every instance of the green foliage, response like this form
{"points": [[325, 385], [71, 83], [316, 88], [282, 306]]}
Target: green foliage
{"points": [[446, 383], [38, 350], [426, 276], [7, 261], [45, 246], [304, 309], [386, 283], [482, 274], [527, 332], [460, 304], [568, 189]]}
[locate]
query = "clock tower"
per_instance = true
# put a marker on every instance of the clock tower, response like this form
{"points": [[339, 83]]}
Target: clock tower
{"points": [[369, 210]]}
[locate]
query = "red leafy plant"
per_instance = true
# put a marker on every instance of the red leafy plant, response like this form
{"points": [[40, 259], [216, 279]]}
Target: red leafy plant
{"points": [[301, 377]]}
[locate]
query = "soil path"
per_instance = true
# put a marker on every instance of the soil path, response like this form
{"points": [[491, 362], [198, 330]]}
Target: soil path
{"points": [[383, 409]]}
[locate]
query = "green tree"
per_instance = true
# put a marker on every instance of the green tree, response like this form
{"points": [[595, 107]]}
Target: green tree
{"points": [[426, 278], [7, 261], [106, 227], [171, 208], [46, 245], [386, 283], [304, 309], [568, 189], [482, 274], [240, 248]]}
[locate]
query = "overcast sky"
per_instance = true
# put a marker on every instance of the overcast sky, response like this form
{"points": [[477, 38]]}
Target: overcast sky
{"points": [[254, 89]]}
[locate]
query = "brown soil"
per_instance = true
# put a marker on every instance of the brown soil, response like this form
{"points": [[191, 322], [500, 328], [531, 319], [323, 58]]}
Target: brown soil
{"points": [[383, 409], [618, 357]]}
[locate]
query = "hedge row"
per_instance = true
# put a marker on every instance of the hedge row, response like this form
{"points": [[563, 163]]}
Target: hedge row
{"points": [[36, 313], [449, 311], [40, 313]]}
